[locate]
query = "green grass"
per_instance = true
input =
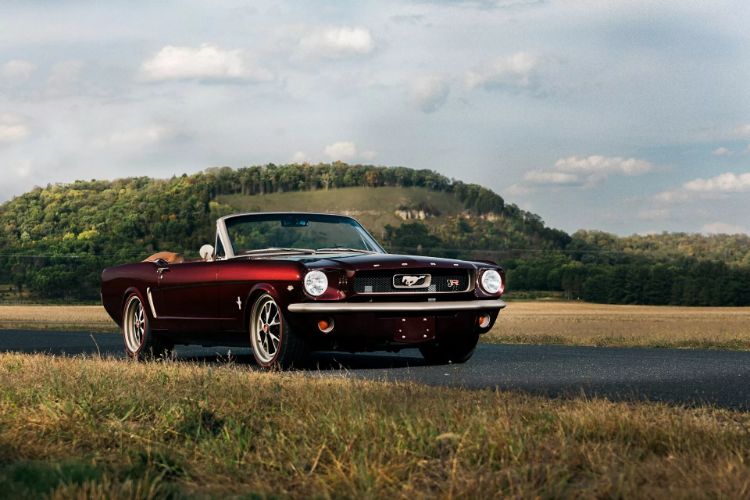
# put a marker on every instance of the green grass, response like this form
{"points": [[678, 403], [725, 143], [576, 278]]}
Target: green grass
{"points": [[98, 428]]}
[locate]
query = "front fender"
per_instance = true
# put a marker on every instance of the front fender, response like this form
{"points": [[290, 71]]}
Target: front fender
{"points": [[256, 291]]}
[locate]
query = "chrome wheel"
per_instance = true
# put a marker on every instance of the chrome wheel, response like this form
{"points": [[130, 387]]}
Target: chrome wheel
{"points": [[135, 324], [266, 329]]}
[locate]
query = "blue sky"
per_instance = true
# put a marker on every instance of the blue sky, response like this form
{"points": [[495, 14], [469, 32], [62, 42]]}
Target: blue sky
{"points": [[625, 116]]}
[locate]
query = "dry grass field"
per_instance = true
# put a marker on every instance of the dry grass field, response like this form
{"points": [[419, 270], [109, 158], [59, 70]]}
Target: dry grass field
{"points": [[533, 322], [580, 323], [98, 428], [38, 317]]}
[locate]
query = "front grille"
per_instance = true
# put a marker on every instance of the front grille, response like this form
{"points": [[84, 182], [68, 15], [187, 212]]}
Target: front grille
{"points": [[440, 281]]}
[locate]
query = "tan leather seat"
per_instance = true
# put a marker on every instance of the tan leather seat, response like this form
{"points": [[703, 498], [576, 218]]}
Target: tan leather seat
{"points": [[169, 257]]}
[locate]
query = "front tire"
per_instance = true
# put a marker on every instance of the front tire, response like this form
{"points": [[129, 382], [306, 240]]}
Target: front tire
{"points": [[140, 342], [274, 344], [457, 349]]}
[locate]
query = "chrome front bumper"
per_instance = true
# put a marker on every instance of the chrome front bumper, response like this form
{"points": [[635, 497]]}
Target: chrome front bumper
{"points": [[347, 307]]}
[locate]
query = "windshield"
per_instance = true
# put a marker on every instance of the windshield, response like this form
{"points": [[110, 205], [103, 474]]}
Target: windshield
{"points": [[256, 233]]}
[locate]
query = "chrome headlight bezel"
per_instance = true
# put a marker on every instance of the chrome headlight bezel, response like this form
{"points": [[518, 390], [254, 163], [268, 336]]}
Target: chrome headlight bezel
{"points": [[315, 283], [491, 282]]}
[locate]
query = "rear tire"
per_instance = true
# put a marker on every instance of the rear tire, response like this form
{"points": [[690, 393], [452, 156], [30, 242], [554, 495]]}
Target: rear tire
{"points": [[274, 343], [458, 349], [140, 342]]}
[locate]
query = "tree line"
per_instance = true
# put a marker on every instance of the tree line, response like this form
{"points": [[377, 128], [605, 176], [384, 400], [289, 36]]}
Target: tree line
{"points": [[55, 240], [583, 272]]}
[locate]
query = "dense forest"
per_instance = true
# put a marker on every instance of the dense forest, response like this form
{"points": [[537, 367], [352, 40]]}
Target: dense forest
{"points": [[54, 241]]}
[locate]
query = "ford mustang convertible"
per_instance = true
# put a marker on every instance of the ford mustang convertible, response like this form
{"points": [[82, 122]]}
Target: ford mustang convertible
{"points": [[286, 284]]}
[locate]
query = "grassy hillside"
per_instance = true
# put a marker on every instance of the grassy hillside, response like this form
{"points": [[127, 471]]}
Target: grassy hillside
{"points": [[373, 207], [54, 241], [137, 216], [418, 220]]}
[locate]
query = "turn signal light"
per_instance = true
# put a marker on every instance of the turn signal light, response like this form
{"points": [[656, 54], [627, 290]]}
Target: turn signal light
{"points": [[484, 320], [325, 325]]}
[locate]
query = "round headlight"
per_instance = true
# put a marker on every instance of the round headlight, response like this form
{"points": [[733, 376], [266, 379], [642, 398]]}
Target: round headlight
{"points": [[316, 283], [491, 281]]}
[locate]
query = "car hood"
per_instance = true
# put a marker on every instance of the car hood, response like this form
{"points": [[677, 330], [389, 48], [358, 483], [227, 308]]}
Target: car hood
{"points": [[358, 262]]}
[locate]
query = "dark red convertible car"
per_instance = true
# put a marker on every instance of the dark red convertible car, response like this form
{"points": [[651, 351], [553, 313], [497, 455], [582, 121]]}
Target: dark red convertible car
{"points": [[288, 283]]}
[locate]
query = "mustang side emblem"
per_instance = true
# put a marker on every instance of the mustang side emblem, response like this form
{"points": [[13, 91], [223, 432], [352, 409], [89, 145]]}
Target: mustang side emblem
{"points": [[411, 281]]}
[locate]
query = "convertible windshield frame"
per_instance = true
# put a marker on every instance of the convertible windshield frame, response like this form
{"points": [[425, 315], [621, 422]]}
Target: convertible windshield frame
{"points": [[223, 224]]}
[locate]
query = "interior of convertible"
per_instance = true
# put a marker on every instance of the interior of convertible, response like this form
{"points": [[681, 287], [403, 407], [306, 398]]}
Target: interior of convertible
{"points": [[168, 257], [252, 232], [206, 255]]}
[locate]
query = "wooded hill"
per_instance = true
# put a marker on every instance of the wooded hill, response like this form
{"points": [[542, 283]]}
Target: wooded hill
{"points": [[55, 240]]}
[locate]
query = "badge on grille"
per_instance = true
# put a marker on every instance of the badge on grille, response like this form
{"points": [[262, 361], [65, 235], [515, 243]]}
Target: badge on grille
{"points": [[453, 283], [411, 281]]}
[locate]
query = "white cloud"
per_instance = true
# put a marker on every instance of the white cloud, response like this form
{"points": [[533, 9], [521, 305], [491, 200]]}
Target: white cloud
{"points": [[550, 177], [518, 71], [207, 62], [23, 168], [654, 214], [721, 151], [368, 155], [742, 130], [722, 228], [12, 128], [139, 136], [724, 183], [347, 150], [300, 157], [64, 77], [17, 69], [429, 94], [603, 165], [340, 41], [719, 185], [516, 190], [672, 196], [587, 171], [343, 150]]}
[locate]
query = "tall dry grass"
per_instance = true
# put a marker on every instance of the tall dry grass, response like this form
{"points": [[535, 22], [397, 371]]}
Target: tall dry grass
{"points": [[41, 317], [580, 323], [73, 427], [533, 322]]}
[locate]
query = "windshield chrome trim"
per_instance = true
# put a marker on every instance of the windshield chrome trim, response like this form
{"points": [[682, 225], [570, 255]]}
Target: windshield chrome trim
{"points": [[221, 231]]}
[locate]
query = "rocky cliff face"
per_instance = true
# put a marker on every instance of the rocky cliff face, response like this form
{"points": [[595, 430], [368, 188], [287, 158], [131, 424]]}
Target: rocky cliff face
{"points": [[412, 214]]}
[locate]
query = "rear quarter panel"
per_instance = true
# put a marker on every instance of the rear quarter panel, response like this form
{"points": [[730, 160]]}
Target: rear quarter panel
{"points": [[119, 281]]}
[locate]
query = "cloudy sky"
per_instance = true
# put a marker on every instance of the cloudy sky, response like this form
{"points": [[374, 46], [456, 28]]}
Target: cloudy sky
{"points": [[627, 116]]}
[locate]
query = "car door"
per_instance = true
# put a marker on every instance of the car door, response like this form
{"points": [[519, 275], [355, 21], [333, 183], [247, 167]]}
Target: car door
{"points": [[237, 278], [187, 296]]}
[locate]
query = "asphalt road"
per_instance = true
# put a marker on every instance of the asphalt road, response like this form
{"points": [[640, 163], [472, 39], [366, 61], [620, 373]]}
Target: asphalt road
{"points": [[685, 377]]}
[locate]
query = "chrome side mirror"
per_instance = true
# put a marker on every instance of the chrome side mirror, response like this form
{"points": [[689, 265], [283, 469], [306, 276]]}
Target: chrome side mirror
{"points": [[207, 253]]}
